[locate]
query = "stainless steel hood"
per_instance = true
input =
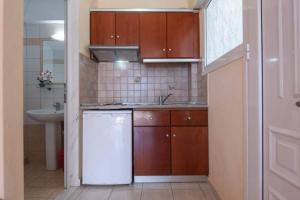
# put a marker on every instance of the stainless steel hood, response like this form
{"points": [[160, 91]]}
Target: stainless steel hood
{"points": [[115, 53]]}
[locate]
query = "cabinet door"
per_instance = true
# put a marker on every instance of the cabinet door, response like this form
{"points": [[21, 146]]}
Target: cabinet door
{"points": [[127, 28], [102, 28], [152, 151], [153, 35], [180, 35], [189, 151]]}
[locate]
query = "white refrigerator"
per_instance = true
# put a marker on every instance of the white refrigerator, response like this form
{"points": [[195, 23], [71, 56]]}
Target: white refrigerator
{"points": [[107, 147]]}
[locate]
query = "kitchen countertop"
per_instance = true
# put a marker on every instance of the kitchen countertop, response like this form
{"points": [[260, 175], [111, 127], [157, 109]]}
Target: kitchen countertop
{"points": [[142, 106]]}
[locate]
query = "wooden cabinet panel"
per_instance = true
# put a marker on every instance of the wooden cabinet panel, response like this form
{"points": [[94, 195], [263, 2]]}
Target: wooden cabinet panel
{"points": [[151, 118], [196, 35], [152, 151], [127, 28], [180, 35], [102, 28], [153, 27], [189, 150], [189, 118]]}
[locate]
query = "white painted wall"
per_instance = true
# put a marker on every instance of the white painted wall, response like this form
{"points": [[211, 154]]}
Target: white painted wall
{"points": [[141, 4], [226, 130], [39, 10], [1, 106]]}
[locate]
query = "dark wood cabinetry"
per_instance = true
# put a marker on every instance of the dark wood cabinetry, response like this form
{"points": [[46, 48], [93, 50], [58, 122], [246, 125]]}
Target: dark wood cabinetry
{"points": [[102, 28], [159, 34], [127, 29], [153, 32], [110, 28], [152, 151], [169, 35], [189, 150], [180, 35], [170, 142]]}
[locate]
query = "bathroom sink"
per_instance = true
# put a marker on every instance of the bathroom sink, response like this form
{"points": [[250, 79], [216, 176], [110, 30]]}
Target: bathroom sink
{"points": [[51, 118], [46, 115]]}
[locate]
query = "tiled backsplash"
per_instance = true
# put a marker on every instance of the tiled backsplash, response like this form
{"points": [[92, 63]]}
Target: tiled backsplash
{"points": [[140, 83], [88, 80]]}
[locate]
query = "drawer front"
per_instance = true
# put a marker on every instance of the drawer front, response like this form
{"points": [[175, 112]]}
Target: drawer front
{"points": [[151, 118], [189, 118]]}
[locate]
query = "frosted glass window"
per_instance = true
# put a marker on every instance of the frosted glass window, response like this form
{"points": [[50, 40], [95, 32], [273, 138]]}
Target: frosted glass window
{"points": [[224, 28]]}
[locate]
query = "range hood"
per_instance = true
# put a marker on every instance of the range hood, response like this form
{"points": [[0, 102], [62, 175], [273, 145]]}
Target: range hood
{"points": [[115, 53]]}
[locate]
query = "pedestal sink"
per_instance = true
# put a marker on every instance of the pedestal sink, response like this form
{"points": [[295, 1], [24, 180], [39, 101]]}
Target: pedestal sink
{"points": [[51, 118]]}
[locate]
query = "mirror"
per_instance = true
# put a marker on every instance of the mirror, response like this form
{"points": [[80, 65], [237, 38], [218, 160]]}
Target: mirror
{"points": [[53, 59]]}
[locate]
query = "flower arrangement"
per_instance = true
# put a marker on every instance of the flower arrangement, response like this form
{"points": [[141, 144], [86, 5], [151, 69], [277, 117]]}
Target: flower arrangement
{"points": [[45, 79]]}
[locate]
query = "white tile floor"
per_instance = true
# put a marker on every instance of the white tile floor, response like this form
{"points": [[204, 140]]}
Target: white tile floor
{"points": [[147, 191], [41, 184]]}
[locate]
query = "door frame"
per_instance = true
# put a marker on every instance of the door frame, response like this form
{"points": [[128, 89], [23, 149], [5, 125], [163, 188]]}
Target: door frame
{"points": [[253, 94], [72, 145]]}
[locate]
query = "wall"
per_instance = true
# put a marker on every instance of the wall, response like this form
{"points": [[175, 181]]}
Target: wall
{"points": [[35, 97], [37, 10], [1, 106], [11, 98], [226, 134]]}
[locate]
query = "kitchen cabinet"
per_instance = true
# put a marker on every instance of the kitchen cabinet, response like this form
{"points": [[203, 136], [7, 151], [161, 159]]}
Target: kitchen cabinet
{"points": [[102, 28], [127, 29], [180, 35], [170, 142], [189, 150], [152, 151], [151, 118], [159, 34], [153, 33], [169, 35], [111, 28]]}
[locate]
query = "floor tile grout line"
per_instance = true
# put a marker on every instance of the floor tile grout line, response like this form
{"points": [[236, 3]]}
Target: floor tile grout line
{"points": [[172, 191], [142, 191]]}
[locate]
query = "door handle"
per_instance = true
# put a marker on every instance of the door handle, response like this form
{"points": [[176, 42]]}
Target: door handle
{"points": [[298, 104]]}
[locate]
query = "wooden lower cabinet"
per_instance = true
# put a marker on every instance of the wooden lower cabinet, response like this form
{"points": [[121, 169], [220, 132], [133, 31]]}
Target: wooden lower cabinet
{"points": [[152, 151], [189, 150], [170, 142]]}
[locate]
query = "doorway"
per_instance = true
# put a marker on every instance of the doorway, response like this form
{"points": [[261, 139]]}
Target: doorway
{"points": [[44, 98]]}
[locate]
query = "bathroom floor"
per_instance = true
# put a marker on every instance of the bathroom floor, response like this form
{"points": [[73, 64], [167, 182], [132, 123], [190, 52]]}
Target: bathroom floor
{"points": [[146, 191], [41, 184]]}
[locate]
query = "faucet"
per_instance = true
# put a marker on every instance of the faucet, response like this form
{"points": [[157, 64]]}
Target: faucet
{"points": [[163, 99], [57, 106]]}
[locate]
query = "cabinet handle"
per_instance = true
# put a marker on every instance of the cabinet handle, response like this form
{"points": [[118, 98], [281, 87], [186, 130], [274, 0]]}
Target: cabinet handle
{"points": [[189, 118], [150, 118], [112, 36], [164, 49], [170, 49], [118, 36], [174, 135], [167, 135]]}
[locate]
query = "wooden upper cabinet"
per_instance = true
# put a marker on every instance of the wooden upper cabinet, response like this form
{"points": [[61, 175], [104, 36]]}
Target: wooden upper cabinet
{"points": [[152, 151], [102, 28], [180, 35], [197, 35], [189, 150], [127, 28], [153, 30]]}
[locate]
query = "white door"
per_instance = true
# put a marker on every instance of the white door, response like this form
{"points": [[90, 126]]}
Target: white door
{"points": [[281, 69]]}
